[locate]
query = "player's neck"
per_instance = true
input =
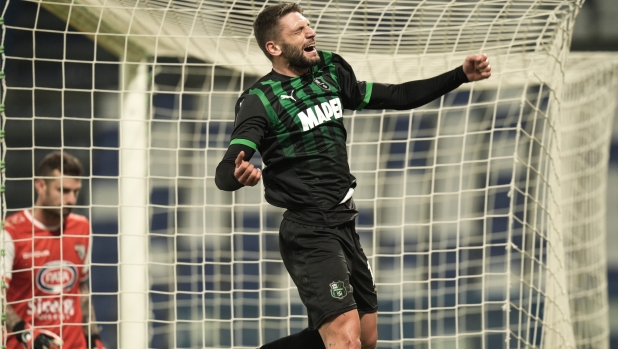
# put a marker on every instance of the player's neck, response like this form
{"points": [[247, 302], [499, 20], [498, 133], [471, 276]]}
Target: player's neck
{"points": [[45, 217], [286, 69]]}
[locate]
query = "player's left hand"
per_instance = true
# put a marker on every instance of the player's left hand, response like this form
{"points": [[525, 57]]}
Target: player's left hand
{"points": [[245, 172], [476, 67]]}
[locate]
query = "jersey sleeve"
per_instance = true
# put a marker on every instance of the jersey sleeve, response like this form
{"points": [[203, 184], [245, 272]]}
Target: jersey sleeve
{"points": [[413, 94], [251, 122], [250, 128], [85, 271], [358, 95], [354, 94], [9, 256]]}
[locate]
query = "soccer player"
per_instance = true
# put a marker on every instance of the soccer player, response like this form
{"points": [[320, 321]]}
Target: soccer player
{"points": [[293, 117], [47, 252]]}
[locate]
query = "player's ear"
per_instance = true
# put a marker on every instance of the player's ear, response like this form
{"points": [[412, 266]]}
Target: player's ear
{"points": [[40, 186], [273, 48]]}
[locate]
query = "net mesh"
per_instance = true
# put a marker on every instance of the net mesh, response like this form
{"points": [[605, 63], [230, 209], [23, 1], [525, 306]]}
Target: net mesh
{"points": [[481, 212]]}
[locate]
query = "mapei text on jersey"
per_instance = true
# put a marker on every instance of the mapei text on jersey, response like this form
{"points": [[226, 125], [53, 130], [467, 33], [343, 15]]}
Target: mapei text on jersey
{"points": [[320, 113]]}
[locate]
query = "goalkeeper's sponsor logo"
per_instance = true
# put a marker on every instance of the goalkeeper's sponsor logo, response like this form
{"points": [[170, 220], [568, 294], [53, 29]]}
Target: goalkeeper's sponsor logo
{"points": [[56, 276], [337, 289], [35, 254], [320, 113], [46, 309]]}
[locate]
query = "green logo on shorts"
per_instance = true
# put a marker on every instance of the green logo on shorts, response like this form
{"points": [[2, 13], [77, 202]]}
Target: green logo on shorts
{"points": [[337, 289]]}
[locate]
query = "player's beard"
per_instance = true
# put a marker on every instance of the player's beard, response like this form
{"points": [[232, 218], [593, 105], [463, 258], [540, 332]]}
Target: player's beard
{"points": [[52, 214], [296, 57], [55, 213], [66, 211]]}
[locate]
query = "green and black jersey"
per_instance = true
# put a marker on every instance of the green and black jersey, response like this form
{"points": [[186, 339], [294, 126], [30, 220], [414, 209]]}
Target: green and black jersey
{"points": [[303, 143], [296, 123]]}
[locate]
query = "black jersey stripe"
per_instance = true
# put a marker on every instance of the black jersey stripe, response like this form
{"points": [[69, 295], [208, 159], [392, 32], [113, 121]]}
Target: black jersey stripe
{"points": [[292, 111], [283, 136], [332, 70], [332, 151], [368, 90], [308, 140], [328, 58], [306, 102], [340, 134]]}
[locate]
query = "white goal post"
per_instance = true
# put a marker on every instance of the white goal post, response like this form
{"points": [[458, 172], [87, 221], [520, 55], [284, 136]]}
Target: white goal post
{"points": [[482, 213]]}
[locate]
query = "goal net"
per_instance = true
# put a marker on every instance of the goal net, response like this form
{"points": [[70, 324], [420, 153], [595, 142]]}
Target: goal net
{"points": [[482, 212]]}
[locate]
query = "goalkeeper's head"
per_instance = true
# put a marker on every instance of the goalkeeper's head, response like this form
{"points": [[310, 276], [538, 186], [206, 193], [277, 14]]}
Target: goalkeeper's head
{"points": [[285, 36], [58, 184]]}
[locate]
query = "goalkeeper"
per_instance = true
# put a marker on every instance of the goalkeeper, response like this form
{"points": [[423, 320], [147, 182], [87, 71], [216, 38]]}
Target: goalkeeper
{"points": [[294, 117], [47, 259]]}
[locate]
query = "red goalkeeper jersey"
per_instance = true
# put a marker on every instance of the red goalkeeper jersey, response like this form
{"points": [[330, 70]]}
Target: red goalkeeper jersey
{"points": [[44, 269]]}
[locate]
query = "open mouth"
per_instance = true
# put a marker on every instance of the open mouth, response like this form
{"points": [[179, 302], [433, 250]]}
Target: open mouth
{"points": [[310, 48]]}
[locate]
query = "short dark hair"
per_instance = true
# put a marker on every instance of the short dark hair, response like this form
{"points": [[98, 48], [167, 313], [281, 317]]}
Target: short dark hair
{"points": [[61, 161], [266, 25]]}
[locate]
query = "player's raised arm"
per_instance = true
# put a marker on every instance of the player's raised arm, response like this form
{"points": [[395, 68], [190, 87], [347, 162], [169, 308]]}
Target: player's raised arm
{"points": [[413, 94]]}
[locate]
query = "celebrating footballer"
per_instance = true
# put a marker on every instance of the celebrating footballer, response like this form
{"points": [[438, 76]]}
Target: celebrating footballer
{"points": [[293, 116]]}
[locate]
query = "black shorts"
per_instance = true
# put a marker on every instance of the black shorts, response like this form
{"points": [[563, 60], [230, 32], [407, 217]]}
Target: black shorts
{"points": [[329, 268]]}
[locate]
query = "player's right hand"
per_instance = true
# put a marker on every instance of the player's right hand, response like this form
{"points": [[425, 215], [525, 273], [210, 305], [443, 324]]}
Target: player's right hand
{"points": [[37, 339], [245, 172]]}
